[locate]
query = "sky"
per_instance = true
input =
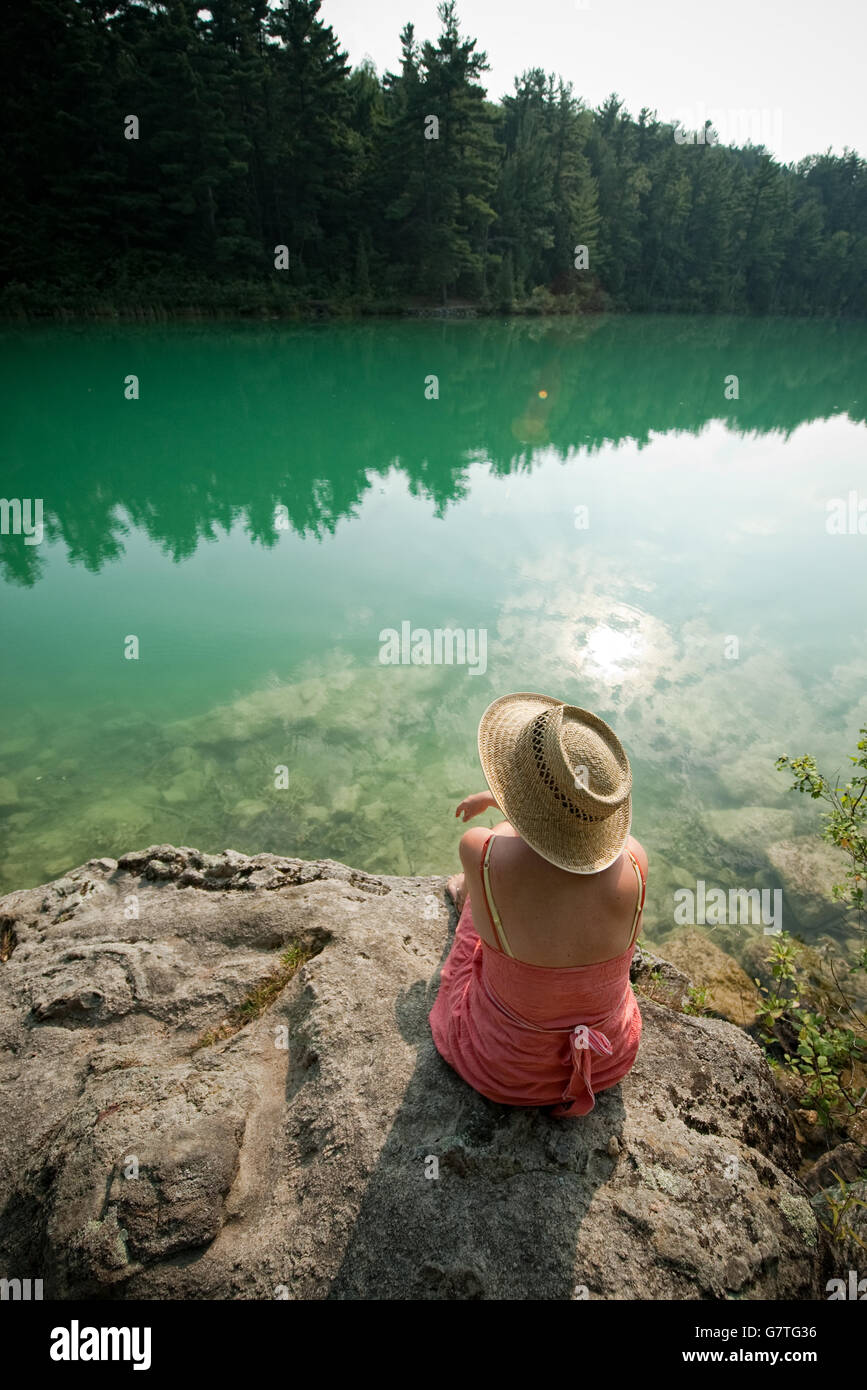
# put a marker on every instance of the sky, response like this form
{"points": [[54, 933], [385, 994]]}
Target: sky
{"points": [[787, 75]]}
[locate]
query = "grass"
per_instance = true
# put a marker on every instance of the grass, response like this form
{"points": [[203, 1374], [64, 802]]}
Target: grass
{"points": [[839, 1208], [260, 997]]}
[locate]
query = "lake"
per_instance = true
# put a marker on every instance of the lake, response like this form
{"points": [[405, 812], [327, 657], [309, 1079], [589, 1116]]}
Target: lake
{"points": [[587, 505]]}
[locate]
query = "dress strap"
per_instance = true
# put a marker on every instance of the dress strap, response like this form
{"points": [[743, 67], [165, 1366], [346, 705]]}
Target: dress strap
{"points": [[642, 893], [493, 914]]}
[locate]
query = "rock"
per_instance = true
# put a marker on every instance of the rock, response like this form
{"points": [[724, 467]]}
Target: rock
{"points": [[856, 1127], [345, 798], [848, 1160], [191, 878], [751, 827], [11, 748], [159, 1140], [104, 817], [809, 868], [106, 865], [187, 786], [8, 792], [808, 1128], [248, 810], [731, 992], [182, 758], [658, 979]]}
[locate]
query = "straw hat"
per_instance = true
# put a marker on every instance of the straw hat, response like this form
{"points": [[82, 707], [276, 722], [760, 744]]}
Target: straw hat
{"points": [[562, 778]]}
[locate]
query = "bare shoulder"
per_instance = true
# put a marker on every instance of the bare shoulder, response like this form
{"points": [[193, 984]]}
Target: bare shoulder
{"points": [[640, 853], [471, 845]]}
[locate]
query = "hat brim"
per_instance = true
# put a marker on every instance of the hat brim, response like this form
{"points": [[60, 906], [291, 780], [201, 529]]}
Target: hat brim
{"points": [[587, 849]]}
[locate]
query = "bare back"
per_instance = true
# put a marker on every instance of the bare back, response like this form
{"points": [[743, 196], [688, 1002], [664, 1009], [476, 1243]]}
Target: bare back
{"points": [[552, 917]]}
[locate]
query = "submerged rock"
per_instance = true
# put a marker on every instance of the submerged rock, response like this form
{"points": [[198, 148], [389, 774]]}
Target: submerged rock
{"points": [[183, 1120], [248, 810], [750, 828], [731, 992], [187, 786], [809, 868], [8, 792]]}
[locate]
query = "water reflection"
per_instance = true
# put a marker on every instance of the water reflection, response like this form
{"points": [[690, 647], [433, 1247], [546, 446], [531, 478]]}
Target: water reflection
{"points": [[233, 424], [612, 653]]}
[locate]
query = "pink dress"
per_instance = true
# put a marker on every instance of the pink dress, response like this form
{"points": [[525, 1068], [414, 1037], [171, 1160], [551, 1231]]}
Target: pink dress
{"points": [[536, 1035]]}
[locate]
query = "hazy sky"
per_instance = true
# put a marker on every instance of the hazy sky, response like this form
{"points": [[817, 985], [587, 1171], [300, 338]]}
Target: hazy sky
{"points": [[797, 66]]}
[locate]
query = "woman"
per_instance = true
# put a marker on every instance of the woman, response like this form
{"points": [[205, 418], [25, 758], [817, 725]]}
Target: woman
{"points": [[535, 1005]]}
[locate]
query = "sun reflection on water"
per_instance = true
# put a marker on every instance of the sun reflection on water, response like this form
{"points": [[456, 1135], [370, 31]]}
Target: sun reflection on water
{"points": [[612, 654]]}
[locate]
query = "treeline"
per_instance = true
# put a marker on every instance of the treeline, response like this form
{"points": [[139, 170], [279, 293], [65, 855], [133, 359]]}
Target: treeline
{"points": [[254, 133]]}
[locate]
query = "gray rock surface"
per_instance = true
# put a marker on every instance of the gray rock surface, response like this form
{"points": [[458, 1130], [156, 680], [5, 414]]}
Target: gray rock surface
{"points": [[135, 1163]]}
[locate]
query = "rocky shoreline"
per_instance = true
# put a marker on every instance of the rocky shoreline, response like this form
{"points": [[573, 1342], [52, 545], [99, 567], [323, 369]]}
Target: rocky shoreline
{"points": [[218, 1081]]}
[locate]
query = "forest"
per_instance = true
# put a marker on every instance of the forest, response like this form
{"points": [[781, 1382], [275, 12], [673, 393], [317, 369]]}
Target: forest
{"points": [[172, 158]]}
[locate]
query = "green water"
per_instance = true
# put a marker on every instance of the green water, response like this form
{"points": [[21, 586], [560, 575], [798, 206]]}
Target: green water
{"points": [[260, 647]]}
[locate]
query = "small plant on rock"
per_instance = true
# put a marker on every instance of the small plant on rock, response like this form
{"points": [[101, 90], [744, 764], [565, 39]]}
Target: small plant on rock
{"points": [[698, 1000], [839, 1206], [806, 1041]]}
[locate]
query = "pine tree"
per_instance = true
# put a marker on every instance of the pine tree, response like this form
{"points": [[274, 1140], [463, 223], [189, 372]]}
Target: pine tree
{"points": [[460, 166], [254, 133]]}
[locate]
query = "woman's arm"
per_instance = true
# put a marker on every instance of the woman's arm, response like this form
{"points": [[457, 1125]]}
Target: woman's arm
{"points": [[477, 803]]}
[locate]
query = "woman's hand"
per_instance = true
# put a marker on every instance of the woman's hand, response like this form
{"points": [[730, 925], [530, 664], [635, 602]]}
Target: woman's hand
{"points": [[474, 805]]}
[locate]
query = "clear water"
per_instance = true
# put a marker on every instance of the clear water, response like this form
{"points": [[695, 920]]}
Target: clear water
{"points": [[260, 646]]}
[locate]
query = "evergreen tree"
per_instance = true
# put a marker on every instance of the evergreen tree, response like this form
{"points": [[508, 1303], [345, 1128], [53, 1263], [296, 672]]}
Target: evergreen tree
{"points": [[254, 133], [309, 161], [458, 165]]}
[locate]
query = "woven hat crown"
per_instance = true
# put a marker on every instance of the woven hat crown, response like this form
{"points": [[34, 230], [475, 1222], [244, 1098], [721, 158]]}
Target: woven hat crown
{"points": [[561, 776], [578, 761]]}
